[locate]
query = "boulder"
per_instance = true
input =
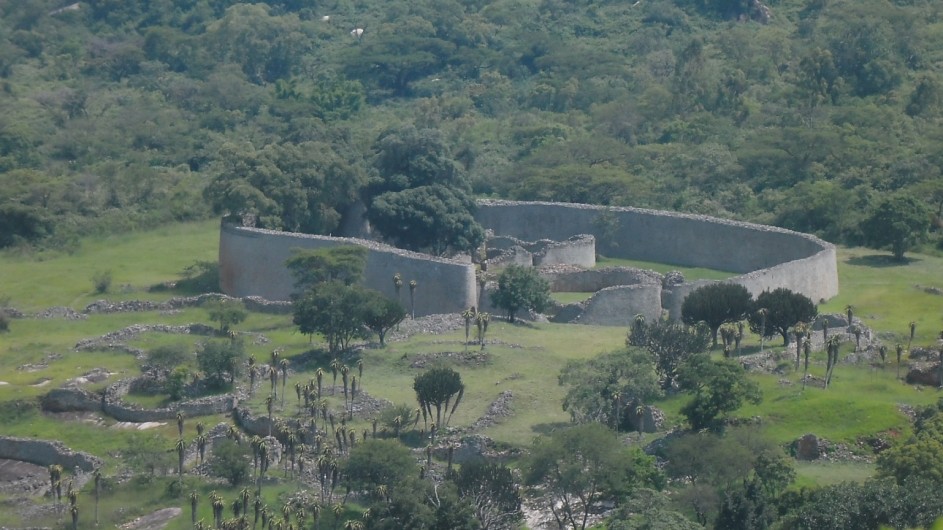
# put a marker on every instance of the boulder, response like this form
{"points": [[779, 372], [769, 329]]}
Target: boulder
{"points": [[807, 447], [924, 374]]}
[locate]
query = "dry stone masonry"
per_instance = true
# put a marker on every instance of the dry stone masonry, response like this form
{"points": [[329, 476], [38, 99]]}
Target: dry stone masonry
{"points": [[252, 261]]}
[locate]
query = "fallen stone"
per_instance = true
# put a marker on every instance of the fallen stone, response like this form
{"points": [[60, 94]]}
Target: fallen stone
{"points": [[154, 521]]}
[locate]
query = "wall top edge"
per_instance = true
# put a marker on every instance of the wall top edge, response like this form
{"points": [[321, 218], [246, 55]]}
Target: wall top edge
{"points": [[371, 245], [661, 213]]}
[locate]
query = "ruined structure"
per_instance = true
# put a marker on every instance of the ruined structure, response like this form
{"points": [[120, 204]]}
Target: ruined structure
{"points": [[252, 261]]}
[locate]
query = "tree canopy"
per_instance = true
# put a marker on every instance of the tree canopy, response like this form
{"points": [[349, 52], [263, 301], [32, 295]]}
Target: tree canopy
{"points": [[521, 288], [898, 223], [779, 310], [716, 304]]}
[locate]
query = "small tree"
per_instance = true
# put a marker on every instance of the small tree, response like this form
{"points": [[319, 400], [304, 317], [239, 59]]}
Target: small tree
{"points": [[219, 360], [669, 344], [226, 313], [493, 493], [898, 223], [521, 288], [344, 263], [436, 388], [719, 387], [335, 310], [783, 310], [101, 281], [230, 461], [381, 314], [716, 304]]}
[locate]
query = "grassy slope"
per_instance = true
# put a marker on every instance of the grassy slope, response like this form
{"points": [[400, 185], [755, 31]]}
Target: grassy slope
{"points": [[524, 358]]}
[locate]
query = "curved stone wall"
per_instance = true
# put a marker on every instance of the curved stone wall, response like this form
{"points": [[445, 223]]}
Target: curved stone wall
{"points": [[767, 257], [252, 260], [252, 263], [46, 453]]}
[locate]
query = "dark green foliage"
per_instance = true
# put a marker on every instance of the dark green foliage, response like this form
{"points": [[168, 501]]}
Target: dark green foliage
{"points": [[610, 388], [492, 491], [719, 387], [148, 454], [521, 288], [176, 383], [200, 277], [380, 314], [226, 313], [920, 456], [583, 466], [784, 309], [20, 222], [898, 223], [378, 462], [221, 361], [343, 263], [669, 343], [437, 388], [873, 504], [230, 461], [334, 310], [169, 356], [434, 219], [716, 304], [101, 281]]}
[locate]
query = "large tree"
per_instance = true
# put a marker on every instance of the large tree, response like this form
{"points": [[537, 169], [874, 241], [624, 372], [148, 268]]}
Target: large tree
{"points": [[783, 310], [521, 288], [669, 344], [579, 468], [334, 310], [493, 493], [897, 223], [610, 388], [719, 388], [221, 360], [716, 304]]}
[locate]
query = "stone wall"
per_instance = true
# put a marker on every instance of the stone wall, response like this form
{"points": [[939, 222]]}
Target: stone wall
{"points": [[110, 404], [252, 260], [576, 280], [46, 453], [252, 263]]}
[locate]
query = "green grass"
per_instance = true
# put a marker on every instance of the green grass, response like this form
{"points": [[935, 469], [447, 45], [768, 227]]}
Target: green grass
{"points": [[571, 298], [523, 358], [885, 296], [690, 273]]}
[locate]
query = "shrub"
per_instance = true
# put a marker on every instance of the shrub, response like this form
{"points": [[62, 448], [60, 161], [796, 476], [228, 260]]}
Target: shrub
{"points": [[101, 280]]}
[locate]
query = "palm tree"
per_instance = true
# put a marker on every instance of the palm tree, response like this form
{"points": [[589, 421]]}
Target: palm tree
{"points": [[360, 369], [344, 371], [469, 315], [900, 352], [218, 507], [319, 373], [762, 313], [97, 475], [412, 297], [270, 407], [257, 506], [283, 364], [335, 367], [74, 511], [180, 424], [481, 320], [201, 447], [850, 313], [397, 285], [273, 379], [194, 500], [181, 448], [913, 329], [807, 349], [244, 496], [801, 330], [315, 510]]}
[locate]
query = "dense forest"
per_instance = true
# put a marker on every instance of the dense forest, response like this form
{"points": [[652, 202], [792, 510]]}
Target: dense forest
{"points": [[799, 113]]}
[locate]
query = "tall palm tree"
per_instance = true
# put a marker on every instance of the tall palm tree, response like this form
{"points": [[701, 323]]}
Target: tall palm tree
{"points": [[97, 475], [244, 496], [763, 313], [194, 501], [273, 379], [850, 313], [913, 330], [201, 447], [270, 407], [283, 364], [900, 352], [345, 370], [180, 424], [468, 315], [74, 511], [807, 349], [360, 369], [397, 285], [412, 298], [319, 374], [181, 448], [315, 509], [335, 367]]}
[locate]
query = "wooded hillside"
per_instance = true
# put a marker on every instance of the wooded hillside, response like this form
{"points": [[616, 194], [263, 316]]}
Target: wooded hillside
{"points": [[799, 113]]}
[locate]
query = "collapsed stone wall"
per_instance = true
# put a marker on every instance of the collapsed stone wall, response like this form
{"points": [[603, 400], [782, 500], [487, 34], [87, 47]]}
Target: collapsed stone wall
{"points": [[576, 280], [578, 250], [111, 404], [252, 263], [46, 453]]}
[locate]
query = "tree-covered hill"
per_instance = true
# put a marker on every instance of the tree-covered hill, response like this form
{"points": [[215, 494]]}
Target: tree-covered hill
{"points": [[800, 113]]}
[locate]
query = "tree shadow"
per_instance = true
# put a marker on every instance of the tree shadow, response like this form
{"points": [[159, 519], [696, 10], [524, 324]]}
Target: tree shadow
{"points": [[544, 429], [880, 261]]}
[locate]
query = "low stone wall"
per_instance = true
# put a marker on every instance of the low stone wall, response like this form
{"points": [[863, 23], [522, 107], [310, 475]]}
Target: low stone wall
{"points": [[46, 453], [110, 404], [252, 263], [578, 250]]}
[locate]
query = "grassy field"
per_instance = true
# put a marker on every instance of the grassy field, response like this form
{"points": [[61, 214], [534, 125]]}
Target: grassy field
{"points": [[524, 358]]}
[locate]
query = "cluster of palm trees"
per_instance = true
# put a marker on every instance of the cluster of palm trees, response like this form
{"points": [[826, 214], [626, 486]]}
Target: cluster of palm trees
{"points": [[481, 321]]}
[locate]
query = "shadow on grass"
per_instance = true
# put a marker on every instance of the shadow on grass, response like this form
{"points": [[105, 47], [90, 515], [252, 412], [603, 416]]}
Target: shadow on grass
{"points": [[544, 429], [880, 261]]}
